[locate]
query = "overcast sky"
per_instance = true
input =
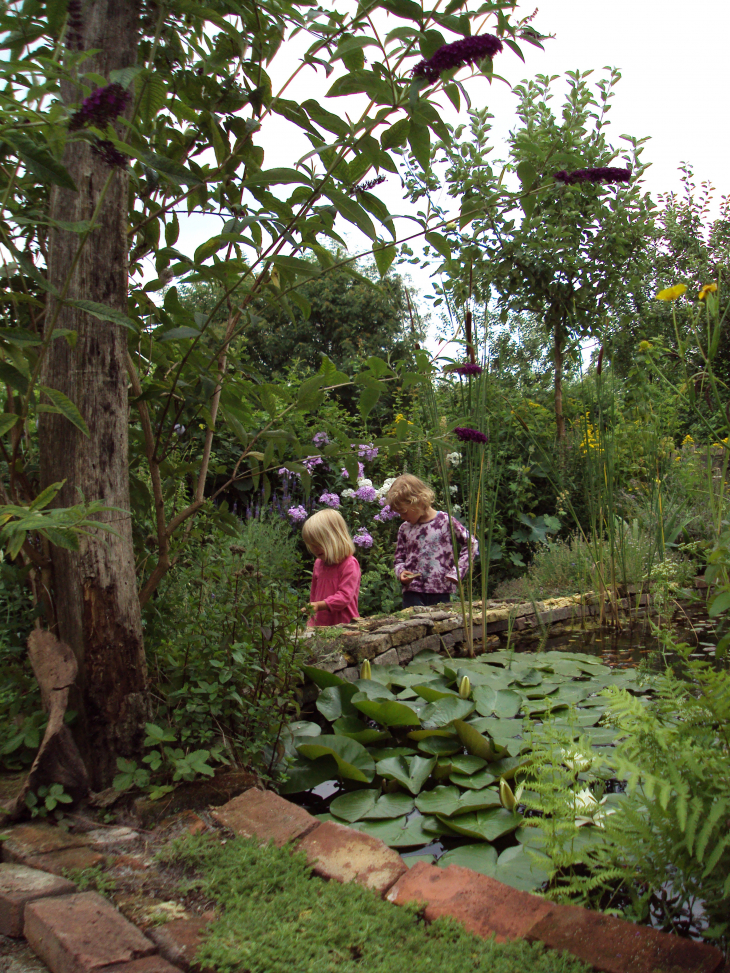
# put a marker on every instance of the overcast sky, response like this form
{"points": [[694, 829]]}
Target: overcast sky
{"points": [[673, 61]]}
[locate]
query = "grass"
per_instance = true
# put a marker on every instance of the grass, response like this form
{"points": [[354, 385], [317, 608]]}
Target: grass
{"points": [[277, 918]]}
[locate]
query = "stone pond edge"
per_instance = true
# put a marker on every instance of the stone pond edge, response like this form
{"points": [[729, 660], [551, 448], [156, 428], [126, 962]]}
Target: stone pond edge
{"points": [[81, 932]]}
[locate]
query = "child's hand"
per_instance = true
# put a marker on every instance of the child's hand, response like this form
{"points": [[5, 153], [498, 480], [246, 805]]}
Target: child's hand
{"points": [[407, 576], [314, 606]]}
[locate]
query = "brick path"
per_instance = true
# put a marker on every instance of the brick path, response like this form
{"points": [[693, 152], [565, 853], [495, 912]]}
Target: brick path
{"points": [[81, 932]]}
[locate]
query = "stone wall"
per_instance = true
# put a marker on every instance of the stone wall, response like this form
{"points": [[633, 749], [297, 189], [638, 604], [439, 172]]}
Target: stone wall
{"points": [[397, 638]]}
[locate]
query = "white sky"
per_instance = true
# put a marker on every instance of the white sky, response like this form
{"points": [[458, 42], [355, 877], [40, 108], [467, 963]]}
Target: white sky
{"points": [[672, 58]]}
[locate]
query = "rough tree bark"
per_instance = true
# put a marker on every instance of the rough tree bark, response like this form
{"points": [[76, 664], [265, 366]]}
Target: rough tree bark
{"points": [[97, 606]]}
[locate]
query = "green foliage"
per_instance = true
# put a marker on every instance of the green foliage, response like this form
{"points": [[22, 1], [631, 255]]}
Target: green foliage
{"points": [[93, 879], [276, 918], [46, 801]]}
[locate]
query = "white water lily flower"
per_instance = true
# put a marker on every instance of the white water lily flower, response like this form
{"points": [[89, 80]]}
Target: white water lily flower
{"points": [[577, 760], [590, 811]]}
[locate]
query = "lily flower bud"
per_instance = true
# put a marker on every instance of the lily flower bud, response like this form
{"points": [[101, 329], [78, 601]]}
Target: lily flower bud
{"points": [[465, 688], [365, 670]]}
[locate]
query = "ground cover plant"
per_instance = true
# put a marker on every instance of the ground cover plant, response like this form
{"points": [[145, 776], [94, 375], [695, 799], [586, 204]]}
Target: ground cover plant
{"points": [[276, 918]]}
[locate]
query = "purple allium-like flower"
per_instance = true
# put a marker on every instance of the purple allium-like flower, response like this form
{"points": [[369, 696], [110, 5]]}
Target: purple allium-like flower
{"points": [[467, 435], [297, 514], [467, 369], [101, 107], [387, 513], [604, 174], [466, 51], [368, 452], [367, 493], [320, 439], [362, 538], [330, 500], [310, 462], [364, 187], [108, 153]]}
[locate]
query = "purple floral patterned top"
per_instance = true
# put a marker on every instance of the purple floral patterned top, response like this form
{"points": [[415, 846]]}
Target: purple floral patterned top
{"points": [[426, 548]]}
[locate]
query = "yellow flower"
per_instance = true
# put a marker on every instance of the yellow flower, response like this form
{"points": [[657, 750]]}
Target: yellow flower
{"points": [[688, 440], [706, 289], [645, 346], [671, 293]]}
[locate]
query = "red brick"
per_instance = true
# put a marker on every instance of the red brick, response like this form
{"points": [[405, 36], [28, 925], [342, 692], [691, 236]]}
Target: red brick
{"points": [[615, 946], [148, 964], [26, 840], [265, 815], [178, 941], [485, 906], [81, 933], [20, 885], [58, 862], [346, 855]]}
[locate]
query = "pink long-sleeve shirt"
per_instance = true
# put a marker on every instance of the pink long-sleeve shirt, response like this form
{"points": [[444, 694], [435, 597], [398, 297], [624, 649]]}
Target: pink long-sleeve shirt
{"points": [[338, 585]]}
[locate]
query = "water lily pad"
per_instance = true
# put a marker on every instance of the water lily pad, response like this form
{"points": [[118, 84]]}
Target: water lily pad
{"points": [[507, 767], [508, 704], [322, 678], [431, 694], [445, 711], [373, 689], [353, 760], [425, 734], [450, 801], [522, 870], [601, 735], [411, 772], [384, 753], [480, 858], [303, 774], [530, 677], [485, 825], [482, 778], [387, 712], [351, 807], [437, 828], [485, 698], [476, 744], [335, 701], [397, 833], [351, 726], [390, 806], [440, 746], [303, 728], [485, 675], [467, 764]]}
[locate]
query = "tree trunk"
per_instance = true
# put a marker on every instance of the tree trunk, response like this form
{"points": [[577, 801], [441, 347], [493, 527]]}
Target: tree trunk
{"points": [[559, 418], [95, 589]]}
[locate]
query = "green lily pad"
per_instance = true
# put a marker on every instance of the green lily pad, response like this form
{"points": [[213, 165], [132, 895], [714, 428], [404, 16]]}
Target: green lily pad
{"points": [[437, 828], [303, 774], [508, 704], [485, 825], [440, 746], [485, 698], [390, 806], [507, 766], [387, 712], [425, 734], [384, 753], [411, 772], [303, 728], [373, 689], [350, 726], [531, 677], [335, 701], [476, 744], [482, 778], [450, 801], [480, 858], [353, 760], [521, 869], [431, 695], [397, 833], [467, 764], [351, 807], [322, 678], [445, 711]]}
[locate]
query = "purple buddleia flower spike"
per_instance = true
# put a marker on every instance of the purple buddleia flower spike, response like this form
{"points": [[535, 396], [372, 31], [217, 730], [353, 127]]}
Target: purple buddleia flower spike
{"points": [[101, 107], [603, 174], [468, 369], [107, 151], [467, 435], [450, 56]]}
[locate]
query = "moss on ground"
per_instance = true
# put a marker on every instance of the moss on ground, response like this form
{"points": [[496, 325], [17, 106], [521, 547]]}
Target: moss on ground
{"points": [[277, 918]]}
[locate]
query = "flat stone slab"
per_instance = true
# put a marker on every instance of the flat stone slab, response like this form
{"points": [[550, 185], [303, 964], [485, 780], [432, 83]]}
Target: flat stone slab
{"points": [[345, 855], [486, 907], [25, 840], [178, 941], [58, 862], [265, 815], [148, 964], [616, 946], [81, 933], [20, 885], [104, 837]]}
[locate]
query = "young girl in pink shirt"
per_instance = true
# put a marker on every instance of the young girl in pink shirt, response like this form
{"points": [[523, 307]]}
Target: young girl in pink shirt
{"points": [[336, 574]]}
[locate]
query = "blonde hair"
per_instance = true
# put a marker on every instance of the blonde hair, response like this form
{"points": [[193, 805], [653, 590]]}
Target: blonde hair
{"points": [[328, 531], [409, 491]]}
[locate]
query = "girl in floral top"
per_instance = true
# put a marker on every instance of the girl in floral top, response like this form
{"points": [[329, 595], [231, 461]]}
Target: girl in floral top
{"points": [[424, 554]]}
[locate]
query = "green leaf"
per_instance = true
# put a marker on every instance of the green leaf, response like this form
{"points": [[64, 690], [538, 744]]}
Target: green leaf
{"points": [[384, 257], [387, 712], [10, 375], [103, 312], [38, 161], [448, 801], [440, 746], [336, 701], [484, 825], [508, 704], [467, 764], [305, 774], [719, 604], [353, 760], [479, 858], [390, 806], [351, 807], [276, 177], [398, 833], [350, 726], [419, 139], [440, 244], [180, 334], [397, 135], [7, 422], [445, 711], [151, 93], [519, 868], [66, 407], [526, 174], [411, 772], [322, 678], [476, 744]]}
